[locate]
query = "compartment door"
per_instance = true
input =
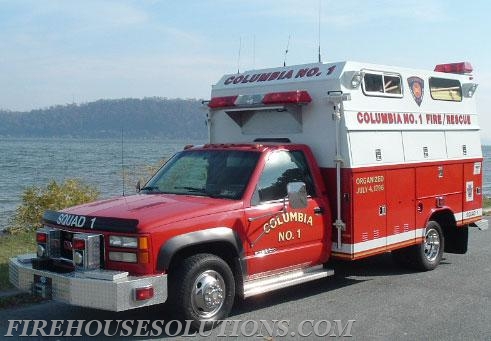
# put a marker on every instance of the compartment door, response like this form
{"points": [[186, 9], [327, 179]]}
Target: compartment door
{"points": [[401, 210], [369, 212], [472, 192]]}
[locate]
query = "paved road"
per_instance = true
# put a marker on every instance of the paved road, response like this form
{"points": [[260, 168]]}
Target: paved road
{"points": [[452, 302]]}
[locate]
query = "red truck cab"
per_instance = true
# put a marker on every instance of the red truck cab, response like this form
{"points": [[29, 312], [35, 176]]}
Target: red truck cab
{"points": [[198, 232]]}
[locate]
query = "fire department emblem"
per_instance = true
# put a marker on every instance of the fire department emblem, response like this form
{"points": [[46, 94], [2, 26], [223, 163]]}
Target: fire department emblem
{"points": [[416, 85]]}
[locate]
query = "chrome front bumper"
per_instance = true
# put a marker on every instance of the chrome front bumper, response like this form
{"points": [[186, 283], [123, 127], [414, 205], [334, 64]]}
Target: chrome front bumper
{"points": [[99, 289]]}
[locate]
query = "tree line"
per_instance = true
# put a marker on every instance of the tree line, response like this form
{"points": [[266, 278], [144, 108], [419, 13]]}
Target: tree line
{"points": [[105, 118]]}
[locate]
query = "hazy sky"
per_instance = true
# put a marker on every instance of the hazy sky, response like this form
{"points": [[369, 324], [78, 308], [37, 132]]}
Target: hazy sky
{"points": [[60, 51]]}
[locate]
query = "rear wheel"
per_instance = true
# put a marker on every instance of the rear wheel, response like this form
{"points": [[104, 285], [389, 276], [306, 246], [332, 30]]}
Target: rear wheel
{"points": [[427, 255], [204, 290]]}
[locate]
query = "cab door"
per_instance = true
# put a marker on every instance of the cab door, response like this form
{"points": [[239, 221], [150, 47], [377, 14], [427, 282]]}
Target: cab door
{"points": [[281, 237]]}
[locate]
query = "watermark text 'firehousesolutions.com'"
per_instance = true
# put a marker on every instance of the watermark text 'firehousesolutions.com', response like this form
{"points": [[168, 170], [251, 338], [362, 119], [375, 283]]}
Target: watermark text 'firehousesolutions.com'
{"points": [[225, 328]]}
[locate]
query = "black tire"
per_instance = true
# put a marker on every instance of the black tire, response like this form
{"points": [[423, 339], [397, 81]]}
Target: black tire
{"points": [[427, 255], [202, 290]]}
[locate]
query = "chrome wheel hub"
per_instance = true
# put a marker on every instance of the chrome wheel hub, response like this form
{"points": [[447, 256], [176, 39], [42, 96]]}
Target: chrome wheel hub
{"points": [[432, 244], [208, 294]]}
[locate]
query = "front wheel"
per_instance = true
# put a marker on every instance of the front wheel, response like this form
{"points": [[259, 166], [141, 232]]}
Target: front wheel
{"points": [[204, 290]]}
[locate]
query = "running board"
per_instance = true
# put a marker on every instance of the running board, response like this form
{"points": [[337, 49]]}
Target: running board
{"points": [[287, 279]]}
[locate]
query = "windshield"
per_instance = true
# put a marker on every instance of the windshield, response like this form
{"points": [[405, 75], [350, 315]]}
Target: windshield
{"points": [[212, 173]]}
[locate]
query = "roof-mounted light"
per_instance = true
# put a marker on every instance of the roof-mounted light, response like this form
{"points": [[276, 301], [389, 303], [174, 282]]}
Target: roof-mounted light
{"points": [[288, 97], [356, 80], [222, 102], [246, 100], [462, 67], [299, 97]]}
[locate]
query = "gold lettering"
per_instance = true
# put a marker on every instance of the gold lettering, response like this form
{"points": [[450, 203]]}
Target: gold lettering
{"points": [[286, 217]]}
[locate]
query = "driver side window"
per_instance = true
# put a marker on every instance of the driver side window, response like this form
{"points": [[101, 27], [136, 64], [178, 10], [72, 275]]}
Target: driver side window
{"points": [[281, 168]]}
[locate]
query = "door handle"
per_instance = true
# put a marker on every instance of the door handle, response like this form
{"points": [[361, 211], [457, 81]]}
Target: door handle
{"points": [[318, 210]]}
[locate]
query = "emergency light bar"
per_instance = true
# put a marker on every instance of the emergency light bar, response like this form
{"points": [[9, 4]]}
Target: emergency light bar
{"points": [[462, 67], [299, 97], [289, 97], [222, 102]]}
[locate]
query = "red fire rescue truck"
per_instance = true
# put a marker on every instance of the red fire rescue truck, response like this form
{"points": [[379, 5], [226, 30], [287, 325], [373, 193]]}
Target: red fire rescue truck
{"points": [[305, 163]]}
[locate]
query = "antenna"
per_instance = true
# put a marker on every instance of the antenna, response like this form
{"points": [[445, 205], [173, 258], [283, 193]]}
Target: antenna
{"points": [[122, 154], [238, 58], [286, 50], [319, 33], [254, 51]]}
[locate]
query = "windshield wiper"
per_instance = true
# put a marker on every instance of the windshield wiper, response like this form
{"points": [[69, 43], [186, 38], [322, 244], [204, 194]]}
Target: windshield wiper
{"points": [[198, 190], [150, 188]]}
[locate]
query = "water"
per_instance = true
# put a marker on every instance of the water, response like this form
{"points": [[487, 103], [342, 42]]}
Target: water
{"points": [[27, 162], [486, 151]]}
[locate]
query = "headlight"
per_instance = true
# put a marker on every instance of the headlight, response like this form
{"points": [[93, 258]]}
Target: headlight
{"points": [[122, 257], [121, 241]]}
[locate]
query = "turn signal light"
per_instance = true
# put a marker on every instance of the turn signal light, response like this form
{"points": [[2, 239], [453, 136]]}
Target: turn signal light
{"points": [[143, 243], [143, 258]]}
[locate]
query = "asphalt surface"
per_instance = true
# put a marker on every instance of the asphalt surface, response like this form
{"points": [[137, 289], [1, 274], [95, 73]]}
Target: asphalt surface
{"points": [[453, 302]]}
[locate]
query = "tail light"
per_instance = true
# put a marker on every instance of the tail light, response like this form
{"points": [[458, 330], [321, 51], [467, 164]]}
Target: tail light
{"points": [[86, 251], [48, 243]]}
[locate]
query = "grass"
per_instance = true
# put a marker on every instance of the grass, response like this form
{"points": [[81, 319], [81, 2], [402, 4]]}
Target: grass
{"points": [[486, 202], [12, 245]]}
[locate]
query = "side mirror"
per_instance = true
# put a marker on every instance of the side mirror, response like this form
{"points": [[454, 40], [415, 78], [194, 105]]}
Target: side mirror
{"points": [[138, 186], [297, 194]]}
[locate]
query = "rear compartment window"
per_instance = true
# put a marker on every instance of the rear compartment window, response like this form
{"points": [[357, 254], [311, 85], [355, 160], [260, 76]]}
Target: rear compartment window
{"points": [[382, 84], [443, 89]]}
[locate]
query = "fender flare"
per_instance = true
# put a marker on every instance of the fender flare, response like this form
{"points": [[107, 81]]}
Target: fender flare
{"points": [[216, 234]]}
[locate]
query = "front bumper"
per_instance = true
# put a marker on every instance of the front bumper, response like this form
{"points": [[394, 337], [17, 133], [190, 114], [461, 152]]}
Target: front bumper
{"points": [[100, 289]]}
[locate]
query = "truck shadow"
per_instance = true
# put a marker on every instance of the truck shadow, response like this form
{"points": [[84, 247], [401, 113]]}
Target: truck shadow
{"points": [[347, 273], [375, 266]]}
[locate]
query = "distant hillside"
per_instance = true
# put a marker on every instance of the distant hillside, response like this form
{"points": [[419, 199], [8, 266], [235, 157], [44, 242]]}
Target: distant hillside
{"points": [[148, 117]]}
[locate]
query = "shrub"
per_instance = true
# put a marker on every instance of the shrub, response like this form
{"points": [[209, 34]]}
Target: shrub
{"points": [[54, 196]]}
